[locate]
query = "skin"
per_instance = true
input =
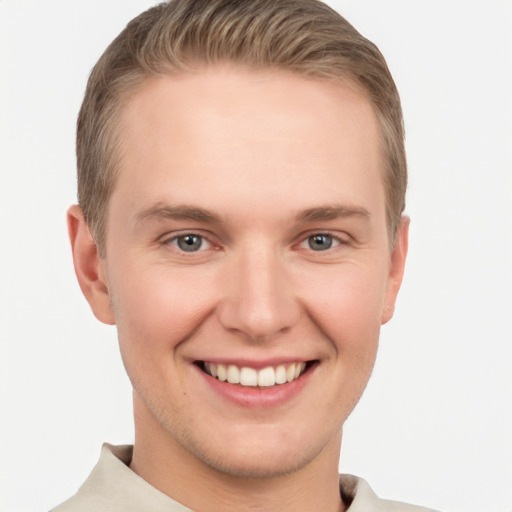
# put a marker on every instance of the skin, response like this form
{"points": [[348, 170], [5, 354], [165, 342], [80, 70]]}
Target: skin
{"points": [[271, 159]]}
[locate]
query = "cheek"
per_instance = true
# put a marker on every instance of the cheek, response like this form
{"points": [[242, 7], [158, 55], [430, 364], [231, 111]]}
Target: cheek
{"points": [[347, 305], [158, 308]]}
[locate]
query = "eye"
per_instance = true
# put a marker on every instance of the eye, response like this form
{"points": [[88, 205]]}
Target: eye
{"points": [[190, 242], [321, 241]]}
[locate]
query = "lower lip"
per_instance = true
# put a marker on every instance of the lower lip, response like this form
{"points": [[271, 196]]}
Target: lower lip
{"points": [[258, 397]]}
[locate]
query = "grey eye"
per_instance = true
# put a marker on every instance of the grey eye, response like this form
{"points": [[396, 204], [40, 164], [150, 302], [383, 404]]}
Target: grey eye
{"points": [[320, 242], [189, 243]]}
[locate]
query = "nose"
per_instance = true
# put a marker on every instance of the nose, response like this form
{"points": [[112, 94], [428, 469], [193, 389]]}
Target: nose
{"points": [[259, 300]]}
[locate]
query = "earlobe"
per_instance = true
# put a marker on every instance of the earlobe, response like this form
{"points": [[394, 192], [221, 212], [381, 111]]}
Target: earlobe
{"points": [[397, 267], [89, 267]]}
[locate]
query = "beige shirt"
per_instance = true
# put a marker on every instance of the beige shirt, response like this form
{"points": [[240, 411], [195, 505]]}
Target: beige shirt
{"points": [[114, 487]]}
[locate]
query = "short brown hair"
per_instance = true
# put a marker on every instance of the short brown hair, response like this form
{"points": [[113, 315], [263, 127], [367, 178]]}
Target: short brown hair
{"points": [[302, 36]]}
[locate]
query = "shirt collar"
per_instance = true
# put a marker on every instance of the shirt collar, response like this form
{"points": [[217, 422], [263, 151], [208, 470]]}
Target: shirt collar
{"points": [[113, 486]]}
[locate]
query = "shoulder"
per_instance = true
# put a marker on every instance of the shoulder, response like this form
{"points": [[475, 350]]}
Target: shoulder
{"points": [[361, 498], [106, 484], [113, 487]]}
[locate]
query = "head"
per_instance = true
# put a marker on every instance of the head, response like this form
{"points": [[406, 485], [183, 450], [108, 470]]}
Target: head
{"points": [[305, 37], [241, 181]]}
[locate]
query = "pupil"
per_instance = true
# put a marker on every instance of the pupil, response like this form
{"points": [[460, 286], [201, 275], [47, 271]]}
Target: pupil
{"points": [[189, 243], [320, 242]]}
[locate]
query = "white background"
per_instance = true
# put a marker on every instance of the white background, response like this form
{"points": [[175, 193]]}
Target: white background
{"points": [[434, 426]]}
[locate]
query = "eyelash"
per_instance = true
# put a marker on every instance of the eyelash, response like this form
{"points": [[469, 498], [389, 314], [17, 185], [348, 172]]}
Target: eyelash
{"points": [[305, 242]]}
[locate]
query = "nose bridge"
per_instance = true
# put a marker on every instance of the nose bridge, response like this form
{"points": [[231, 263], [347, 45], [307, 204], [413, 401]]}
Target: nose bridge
{"points": [[260, 301]]}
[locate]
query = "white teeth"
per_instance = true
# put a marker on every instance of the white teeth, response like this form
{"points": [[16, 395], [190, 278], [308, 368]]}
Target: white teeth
{"points": [[280, 374], [290, 373], [221, 372], [233, 374], [246, 376], [267, 377]]}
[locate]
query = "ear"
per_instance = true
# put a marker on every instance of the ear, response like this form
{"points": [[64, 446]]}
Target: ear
{"points": [[396, 270], [89, 267]]}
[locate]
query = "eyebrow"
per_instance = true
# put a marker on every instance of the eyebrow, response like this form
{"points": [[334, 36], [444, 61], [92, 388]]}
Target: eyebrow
{"points": [[162, 211], [332, 212]]}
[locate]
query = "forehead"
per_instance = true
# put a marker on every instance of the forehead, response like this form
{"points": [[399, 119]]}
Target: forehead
{"points": [[256, 134]]}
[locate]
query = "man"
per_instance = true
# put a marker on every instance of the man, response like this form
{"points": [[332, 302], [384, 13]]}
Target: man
{"points": [[241, 187]]}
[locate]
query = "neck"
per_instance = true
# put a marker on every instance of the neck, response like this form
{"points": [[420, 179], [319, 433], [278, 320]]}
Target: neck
{"points": [[164, 463]]}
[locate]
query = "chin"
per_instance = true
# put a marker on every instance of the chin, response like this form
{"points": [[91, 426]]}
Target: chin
{"points": [[256, 466], [255, 457]]}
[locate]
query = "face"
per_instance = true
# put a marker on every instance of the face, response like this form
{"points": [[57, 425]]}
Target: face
{"points": [[247, 264]]}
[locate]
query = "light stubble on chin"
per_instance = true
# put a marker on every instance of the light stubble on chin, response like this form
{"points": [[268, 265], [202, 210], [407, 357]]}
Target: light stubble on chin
{"points": [[237, 466]]}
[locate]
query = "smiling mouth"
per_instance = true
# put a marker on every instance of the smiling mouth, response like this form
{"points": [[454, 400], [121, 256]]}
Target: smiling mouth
{"points": [[252, 377]]}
